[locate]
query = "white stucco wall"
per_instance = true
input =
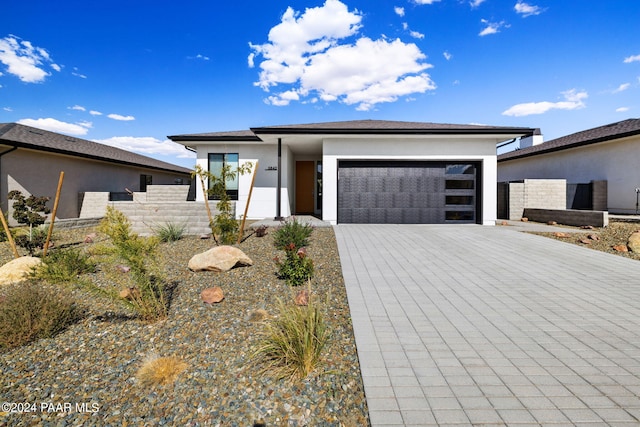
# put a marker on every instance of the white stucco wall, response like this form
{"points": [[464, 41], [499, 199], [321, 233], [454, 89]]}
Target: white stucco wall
{"points": [[263, 197], [616, 162], [410, 148]]}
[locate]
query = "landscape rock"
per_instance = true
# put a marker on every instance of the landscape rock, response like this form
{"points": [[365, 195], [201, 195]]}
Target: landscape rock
{"points": [[17, 270], [593, 237], [123, 268], [561, 234], [634, 242], [552, 223], [212, 295], [524, 219], [205, 236], [585, 241], [621, 248], [90, 238], [587, 227], [130, 293], [302, 297], [219, 259]]}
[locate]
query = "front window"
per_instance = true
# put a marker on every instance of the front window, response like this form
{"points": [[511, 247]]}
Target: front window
{"points": [[216, 162]]}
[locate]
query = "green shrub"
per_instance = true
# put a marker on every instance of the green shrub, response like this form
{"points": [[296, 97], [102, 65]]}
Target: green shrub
{"points": [[292, 232], [170, 232], [292, 344], [297, 267], [31, 311], [65, 265], [140, 255], [32, 238]]}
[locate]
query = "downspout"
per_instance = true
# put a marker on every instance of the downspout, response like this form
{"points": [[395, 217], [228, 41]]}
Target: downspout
{"points": [[279, 189]]}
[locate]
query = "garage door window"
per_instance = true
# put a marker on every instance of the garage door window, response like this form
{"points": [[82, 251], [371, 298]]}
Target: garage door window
{"points": [[460, 194]]}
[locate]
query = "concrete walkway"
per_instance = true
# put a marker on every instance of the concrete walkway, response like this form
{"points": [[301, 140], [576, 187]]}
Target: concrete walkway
{"points": [[471, 325]]}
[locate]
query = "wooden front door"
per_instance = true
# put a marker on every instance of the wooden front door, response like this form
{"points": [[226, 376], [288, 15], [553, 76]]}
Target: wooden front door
{"points": [[305, 185]]}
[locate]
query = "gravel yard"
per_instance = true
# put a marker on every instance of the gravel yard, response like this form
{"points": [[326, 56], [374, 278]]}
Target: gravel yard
{"points": [[87, 374]]}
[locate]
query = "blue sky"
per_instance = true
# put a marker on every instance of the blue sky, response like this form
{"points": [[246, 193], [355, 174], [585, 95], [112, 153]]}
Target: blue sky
{"points": [[129, 73]]}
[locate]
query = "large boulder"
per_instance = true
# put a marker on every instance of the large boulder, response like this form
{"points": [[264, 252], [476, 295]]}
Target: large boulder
{"points": [[634, 242], [17, 270], [220, 258]]}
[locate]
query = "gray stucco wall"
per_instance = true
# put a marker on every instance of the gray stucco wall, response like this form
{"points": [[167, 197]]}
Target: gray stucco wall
{"points": [[34, 172]]}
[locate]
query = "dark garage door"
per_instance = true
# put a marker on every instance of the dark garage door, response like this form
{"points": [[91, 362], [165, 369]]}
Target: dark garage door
{"points": [[408, 192]]}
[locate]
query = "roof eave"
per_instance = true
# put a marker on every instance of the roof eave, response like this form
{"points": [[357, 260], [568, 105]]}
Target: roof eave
{"points": [[449, 131]]}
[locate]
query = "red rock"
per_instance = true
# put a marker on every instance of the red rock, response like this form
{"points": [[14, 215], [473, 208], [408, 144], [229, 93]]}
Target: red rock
{"points": [[587, 227], [89, 238], [524, 219], [593, 237], [504, 223], [212, 295], [302, 298], [621, 248], [585, 241], [552, 223], [561, 234]]}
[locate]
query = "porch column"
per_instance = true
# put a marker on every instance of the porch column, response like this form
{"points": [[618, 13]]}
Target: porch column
{"points": [[279, 187]]}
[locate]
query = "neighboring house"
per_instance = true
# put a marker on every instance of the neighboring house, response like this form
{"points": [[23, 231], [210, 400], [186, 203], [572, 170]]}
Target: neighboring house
{"points": [[364, 171], [31, 161], [608, 153]]}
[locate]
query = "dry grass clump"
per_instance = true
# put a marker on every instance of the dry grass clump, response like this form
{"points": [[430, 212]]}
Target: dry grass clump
{"points": [[156, 370], [292, 344], [30, 311]]}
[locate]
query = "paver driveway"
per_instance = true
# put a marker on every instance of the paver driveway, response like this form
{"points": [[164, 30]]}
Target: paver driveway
{"points": [[472, 325]]}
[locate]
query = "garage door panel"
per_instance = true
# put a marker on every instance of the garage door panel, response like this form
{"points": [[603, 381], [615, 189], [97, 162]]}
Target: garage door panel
{"points": [[405, 192]]}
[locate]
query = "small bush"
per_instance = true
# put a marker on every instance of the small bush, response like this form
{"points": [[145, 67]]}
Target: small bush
{"points": [[140, 255], [170, 232], [297, 267], [32, 238], [292, 344], [292, 232], [30, 311], [157, 370], [65, 265]]}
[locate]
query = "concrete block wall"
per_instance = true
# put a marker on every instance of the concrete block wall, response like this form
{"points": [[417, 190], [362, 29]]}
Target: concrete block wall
{"points": [[146, 216], [173, 193], [545, 193], [536, 193], [94, 204]]}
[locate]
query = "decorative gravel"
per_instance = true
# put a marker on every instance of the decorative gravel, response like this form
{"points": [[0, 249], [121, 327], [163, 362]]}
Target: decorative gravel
{"points": [[87, 374]]}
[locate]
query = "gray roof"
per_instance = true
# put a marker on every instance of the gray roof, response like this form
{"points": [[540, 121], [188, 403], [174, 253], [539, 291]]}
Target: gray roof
{"points": [[22, 136], [604, 133], [355, 127]]}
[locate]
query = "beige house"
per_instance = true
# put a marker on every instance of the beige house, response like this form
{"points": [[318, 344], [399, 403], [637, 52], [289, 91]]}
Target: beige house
{"points": [[606, 156], [31, 160]]}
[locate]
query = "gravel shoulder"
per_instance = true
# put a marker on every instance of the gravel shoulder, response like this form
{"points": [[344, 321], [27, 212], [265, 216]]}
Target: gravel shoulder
{"points": [[94, 363]]}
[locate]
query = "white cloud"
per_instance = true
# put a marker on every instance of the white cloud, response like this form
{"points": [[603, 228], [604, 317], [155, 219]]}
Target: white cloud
{"points": [[25, 60], [308, 55], [426, 1], [77, 108], [630, 59], [121, 118], [399, 10], [147, 146], [95, 113], [573, 101], [54, 125], [492, 27], [416, 35], [622, 88], [525, 9], [447, 55], [77, 74], [8, 109], [622, 109], [476, 3], [199, 56]]}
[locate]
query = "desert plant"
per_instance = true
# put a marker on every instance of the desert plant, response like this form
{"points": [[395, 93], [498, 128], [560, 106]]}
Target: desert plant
{"points": [[65, 265], [261, 231], [292, 232], [224, 226], [291, 345], [31, 311], [157, 370], [170, 232], [296, 268], [29, 211], [139, 254]]}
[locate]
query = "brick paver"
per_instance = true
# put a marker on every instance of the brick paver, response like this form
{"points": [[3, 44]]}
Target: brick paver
{"points": [[472, 325]]}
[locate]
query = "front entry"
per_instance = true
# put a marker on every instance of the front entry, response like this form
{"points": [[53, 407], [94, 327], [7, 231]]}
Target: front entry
{"points": [[305, 187]]}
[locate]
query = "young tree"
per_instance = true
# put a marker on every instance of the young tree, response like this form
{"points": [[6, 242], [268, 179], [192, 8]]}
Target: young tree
{"points": [[31, 211], [224, 226]]}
